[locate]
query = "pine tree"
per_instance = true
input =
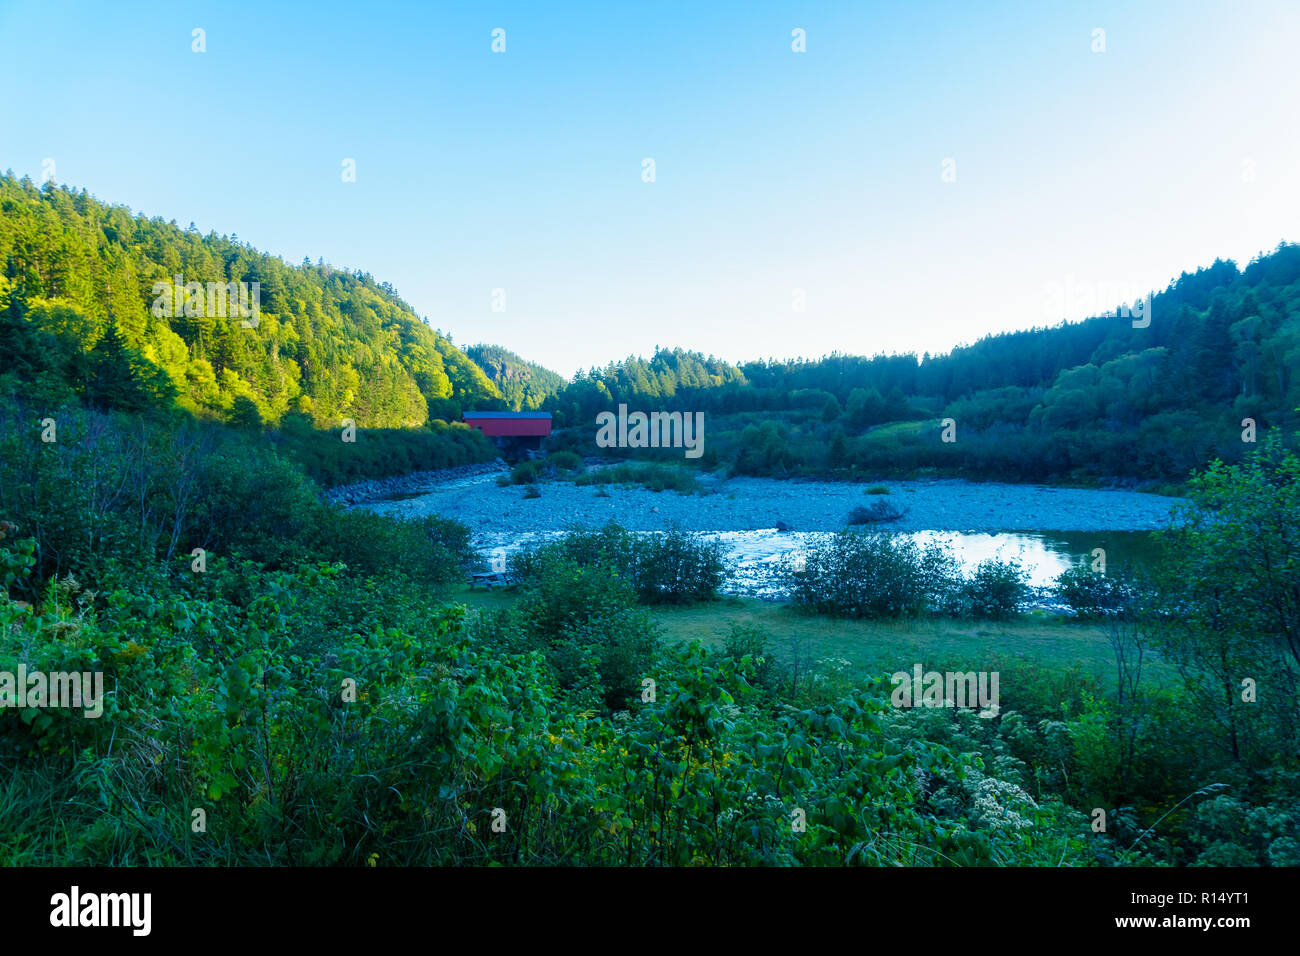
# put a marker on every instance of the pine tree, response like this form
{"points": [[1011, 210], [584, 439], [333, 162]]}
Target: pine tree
{"points": [[113, 380]]}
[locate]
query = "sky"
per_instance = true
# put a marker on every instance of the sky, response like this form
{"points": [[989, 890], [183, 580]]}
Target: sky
{"points": [[920, 175]]}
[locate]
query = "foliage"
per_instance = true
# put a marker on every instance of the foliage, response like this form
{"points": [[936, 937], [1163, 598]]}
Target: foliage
{"points": [[868, 574], [134, 489], [565, 461], [996, 589], [523, 385], [1076, 401], [879, 510], [80, 294], [652, 477], [1093, 594], [378, 452], [1230, 595], [672, 567]]}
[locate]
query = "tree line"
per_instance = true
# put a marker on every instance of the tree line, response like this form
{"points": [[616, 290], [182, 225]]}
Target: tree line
{"points": [[1103, 397]]}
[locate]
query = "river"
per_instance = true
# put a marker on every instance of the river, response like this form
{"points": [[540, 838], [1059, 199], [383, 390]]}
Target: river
{"points": [[1046, 528]]}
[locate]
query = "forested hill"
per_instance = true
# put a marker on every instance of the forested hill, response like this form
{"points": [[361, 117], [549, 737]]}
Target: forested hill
{"points": [[82, 320], [669, 373], [523, 385], [1099, 397], [80, 276]]}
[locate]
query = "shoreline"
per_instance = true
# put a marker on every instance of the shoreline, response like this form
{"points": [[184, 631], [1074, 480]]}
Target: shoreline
{"points": [[375, 490]]}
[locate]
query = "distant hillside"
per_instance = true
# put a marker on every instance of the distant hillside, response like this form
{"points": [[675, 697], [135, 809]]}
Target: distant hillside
{"points": [[80, 295], [89, 313], [523, 385], [1098, 398], [669, 373]]}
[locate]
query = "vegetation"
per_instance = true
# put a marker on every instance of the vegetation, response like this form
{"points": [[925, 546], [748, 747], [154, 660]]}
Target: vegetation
{"points": [[328, 352], [878, 510], [311, 689], [652, 477], [292, 683], [377, 452], [80, 276], [80, 321], [522, 385], [668, 568], [996, 589], [1079, 401], [861, 574], [1091, 594]]}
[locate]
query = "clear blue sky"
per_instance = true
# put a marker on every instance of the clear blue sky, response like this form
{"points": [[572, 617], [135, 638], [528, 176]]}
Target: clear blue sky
{"points": [[775, 170]]}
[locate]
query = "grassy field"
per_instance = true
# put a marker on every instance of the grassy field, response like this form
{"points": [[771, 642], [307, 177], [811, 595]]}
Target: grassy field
{"points": [[864, 649]]}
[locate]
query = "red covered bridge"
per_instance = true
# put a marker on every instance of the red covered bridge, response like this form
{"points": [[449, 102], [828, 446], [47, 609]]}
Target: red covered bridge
{"points": [[516, 434], [510, 424]]}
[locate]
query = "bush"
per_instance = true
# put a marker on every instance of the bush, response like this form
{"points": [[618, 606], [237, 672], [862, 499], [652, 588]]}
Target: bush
{"points": [[677, 568], [378, 452], [527, 472], [565, 461], [996, 589], [669, 568], [1091, 594], [652, 477], [585, 619], [877, 490], [532, 491], [879, 510], [431, 550], [869, 574], [752, 641]]}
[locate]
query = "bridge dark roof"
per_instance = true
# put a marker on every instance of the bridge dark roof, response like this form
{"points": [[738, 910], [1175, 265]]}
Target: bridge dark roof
{"points": [[469, 415]]}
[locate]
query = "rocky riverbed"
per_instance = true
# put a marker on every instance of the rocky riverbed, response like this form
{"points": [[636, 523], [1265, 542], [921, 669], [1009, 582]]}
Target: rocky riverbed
{"points": [[760, 522], [472, 496]]}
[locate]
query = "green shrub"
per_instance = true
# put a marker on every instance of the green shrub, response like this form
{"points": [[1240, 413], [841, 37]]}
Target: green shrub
{"points": [[997, 588], [752, 643], [587, 622], [870, 574], [233, 686], [378, 452], [878, 510], [1091, 594], [677, 568], [564, 461], [527, 472], [651, 477], [669, 568]]}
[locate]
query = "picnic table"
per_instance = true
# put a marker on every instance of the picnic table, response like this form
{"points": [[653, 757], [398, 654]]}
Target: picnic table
{"points": [[490, 579]]}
